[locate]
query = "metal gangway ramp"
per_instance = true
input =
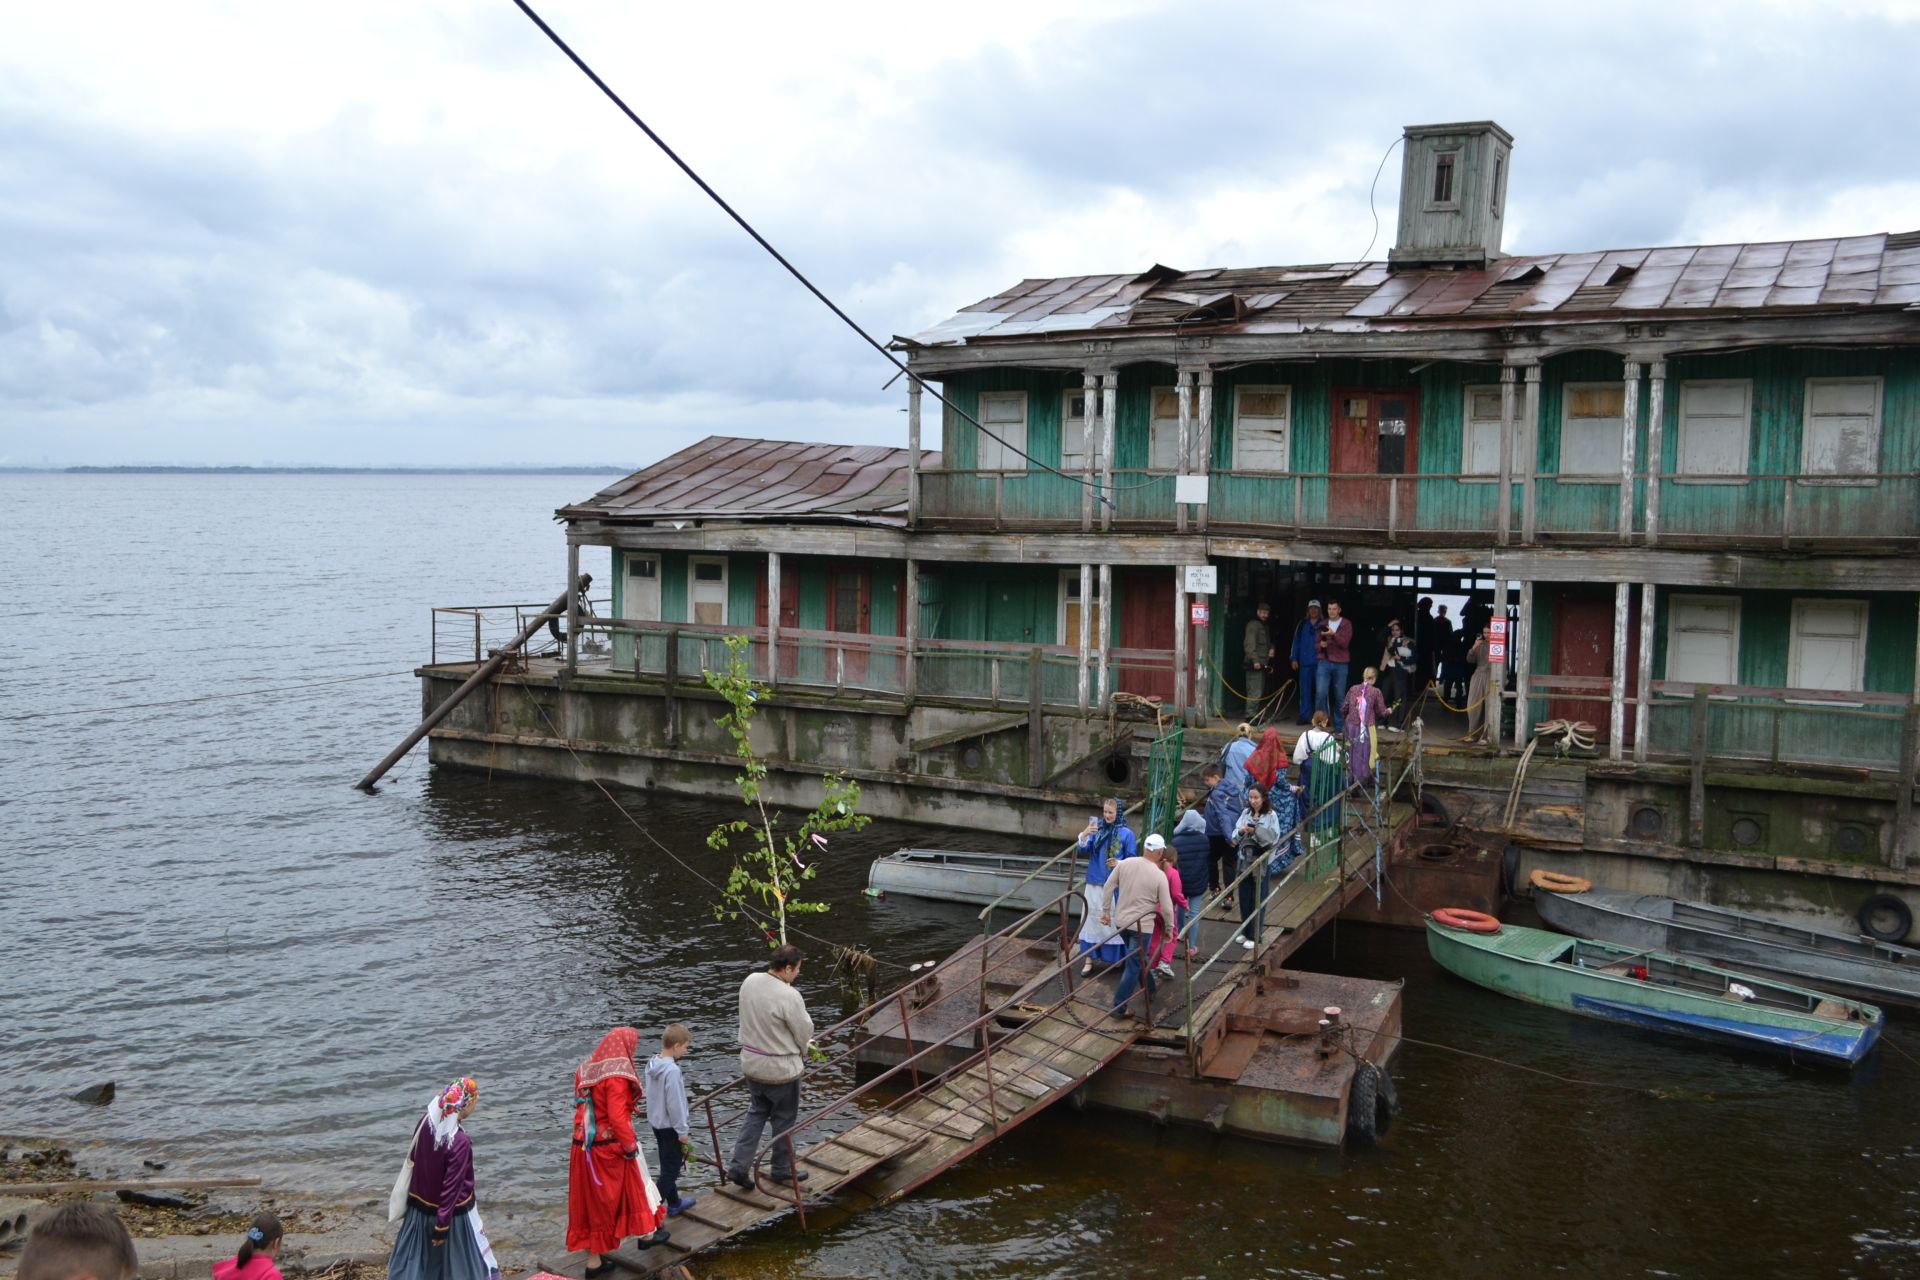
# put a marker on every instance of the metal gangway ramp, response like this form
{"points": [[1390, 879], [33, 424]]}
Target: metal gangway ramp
{"points": [[905, 1126]]}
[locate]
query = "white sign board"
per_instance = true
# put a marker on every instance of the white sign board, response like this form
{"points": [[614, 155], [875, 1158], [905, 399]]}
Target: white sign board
{"points": [[1191, 490], [1202, 579]]}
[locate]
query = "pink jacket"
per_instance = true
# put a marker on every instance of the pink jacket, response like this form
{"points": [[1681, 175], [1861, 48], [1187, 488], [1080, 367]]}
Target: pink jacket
{"points": [[259, 1267]]}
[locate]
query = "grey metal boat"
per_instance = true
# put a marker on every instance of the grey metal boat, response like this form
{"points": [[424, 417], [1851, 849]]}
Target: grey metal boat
{"points": [[947, 875], [1836, 962]]}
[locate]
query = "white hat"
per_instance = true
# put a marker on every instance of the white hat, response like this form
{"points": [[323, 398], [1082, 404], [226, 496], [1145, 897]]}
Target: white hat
{"points": [[1155, 841]]}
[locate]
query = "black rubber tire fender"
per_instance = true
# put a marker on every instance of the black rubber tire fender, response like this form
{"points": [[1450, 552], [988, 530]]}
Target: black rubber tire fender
{"points": [[1363, 1103], [1389, 1095], [1880, 904]]}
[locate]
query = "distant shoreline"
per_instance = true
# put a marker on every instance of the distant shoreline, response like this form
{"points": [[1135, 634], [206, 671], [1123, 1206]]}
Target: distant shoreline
{"points": [[322, 471]]}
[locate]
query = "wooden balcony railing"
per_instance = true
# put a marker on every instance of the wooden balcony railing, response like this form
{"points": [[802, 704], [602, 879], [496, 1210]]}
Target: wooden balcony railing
{"points": [[1762, 509]]}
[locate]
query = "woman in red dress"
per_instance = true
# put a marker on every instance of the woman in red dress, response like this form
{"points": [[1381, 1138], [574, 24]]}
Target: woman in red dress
{"points": [[610, 1195]]}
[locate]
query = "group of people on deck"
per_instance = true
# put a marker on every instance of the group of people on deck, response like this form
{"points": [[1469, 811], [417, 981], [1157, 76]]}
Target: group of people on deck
{"points": [[1243, 833], [1318, 660]]}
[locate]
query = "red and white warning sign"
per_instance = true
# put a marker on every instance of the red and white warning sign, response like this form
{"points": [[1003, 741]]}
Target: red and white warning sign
{"points": [[1200, 614], [1497, 643]]}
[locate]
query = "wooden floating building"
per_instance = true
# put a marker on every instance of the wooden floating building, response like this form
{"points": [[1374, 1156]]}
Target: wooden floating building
{"points": [[1688, 476]]}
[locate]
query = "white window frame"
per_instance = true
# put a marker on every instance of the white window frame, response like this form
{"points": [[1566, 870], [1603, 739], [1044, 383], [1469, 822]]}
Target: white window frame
{"points": [[1072, 428], [1675, 604], [1285, 431], [1467, 421], [1795, 650], [990, 454], [1567, 390], [1165, 430], [693, 586], [1069, 589], [628, 560], [1680, 473], [1811, 476]]}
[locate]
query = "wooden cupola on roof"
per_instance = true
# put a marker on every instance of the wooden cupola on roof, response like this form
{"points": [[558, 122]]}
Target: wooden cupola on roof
{"points": [[1453, 195]]}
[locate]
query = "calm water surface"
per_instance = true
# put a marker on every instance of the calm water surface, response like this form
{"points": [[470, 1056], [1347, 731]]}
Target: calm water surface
{"points": [[278, 970]]}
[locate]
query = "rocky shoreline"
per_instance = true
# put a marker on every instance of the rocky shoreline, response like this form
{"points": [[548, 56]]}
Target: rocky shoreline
{"points": [[180, 1233]]}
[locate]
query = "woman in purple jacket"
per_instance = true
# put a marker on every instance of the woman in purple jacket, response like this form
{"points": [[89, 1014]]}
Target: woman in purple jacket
{"points": [[441, 1236]]}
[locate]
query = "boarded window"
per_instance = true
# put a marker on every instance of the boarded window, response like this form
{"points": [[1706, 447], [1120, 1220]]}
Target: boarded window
{"points": [[1260, 428], [1829, 645], [709, 589], [1703, 639], [1591, 430], [1073, 428], [1480, 449], [642, 602], [1003, 414], [1714, 422], [1163, 430], [1842, 432], [1070, 605]]}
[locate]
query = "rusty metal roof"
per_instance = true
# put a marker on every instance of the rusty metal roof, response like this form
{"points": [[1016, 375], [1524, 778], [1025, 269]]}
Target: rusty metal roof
{"points": [[1881, 270], [728, 477]]}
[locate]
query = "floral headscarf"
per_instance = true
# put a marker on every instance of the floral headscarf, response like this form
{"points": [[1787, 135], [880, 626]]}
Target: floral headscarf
{"points": [[443, 1113], [611, 1059]]}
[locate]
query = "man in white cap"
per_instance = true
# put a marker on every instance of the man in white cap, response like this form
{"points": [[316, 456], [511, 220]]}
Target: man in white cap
{"points": [[1136, 891]]}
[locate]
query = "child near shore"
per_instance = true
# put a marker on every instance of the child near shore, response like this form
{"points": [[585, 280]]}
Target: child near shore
{"points": [[259, 1253], [79, 1242], [667, 1114]]}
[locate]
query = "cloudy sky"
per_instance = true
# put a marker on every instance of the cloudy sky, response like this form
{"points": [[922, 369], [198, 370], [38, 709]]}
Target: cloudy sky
{"points": [[377, 233]]}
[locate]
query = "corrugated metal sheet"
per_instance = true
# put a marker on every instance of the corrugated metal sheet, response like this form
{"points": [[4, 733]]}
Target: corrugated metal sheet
{"points": [[727, 476], [1860, 271]]}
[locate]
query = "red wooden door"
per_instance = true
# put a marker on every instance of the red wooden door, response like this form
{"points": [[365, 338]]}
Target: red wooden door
{"points": [[1146, 622], [850, 611], [789, 617], [1583, 646], [1375, 433]]}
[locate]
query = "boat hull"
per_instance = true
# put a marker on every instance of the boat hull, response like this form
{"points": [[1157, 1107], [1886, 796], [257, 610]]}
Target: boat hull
{"points": [[974, 879], [1854, 967], [1539, 967]]}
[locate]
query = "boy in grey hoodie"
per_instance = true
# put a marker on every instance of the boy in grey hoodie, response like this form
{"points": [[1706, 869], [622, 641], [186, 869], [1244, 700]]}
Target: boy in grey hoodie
{"points": [[667, 1113]]}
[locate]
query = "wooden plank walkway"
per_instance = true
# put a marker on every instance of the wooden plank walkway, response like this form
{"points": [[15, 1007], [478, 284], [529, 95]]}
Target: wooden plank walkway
{"points": [[912, 1138]]}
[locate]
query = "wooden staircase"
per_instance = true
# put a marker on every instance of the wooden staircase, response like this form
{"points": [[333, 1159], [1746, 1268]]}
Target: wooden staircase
{"points": [[906, 1141]]}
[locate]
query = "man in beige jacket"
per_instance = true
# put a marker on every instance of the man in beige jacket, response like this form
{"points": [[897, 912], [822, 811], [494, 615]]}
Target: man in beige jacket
{"points": [[1136, 890], [775, 1029]]}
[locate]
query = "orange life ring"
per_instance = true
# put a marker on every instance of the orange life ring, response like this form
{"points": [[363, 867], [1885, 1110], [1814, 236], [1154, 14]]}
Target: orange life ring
{"points": [[1554, 882], [1467, 921]]}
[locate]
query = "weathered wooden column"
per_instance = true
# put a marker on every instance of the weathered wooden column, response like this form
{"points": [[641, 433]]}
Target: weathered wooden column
{"points": [[1106, 594], [1509, 424], [1183, 391], [1495, 710], [1530, 451], [1089, 401], [1517, 648], [1906, 848], [1109, 408], [1182, 678], [573, 607], [1656, 452], [1203, 422], [773, 619], [1086, 633], [910, 678], [1643, 700], [913, 451], [1629, 440], [1617, 692]]}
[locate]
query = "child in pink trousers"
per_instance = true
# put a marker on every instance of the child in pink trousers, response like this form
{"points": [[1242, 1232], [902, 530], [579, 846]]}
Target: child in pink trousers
{"points": [[1160, 949]]}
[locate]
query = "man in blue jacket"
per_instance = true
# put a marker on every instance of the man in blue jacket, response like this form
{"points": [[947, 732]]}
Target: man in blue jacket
{"points": [[1306, 658]]}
